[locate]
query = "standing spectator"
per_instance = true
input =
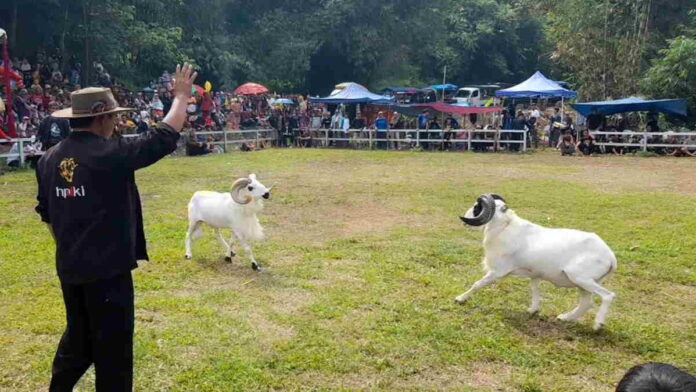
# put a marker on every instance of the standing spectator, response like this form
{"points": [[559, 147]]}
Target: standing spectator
{"points": [[167, 101], [382, 127], [554, 128], [21, 104], [450, 125], [423, 122], [52, 130], [206, 106]]}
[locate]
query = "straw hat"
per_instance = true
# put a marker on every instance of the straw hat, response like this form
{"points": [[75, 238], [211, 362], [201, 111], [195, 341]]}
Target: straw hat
{"points": [[91, 102]]}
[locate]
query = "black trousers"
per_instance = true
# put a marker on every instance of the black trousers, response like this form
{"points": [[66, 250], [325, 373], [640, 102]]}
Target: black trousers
{"points": [[100, 318]]}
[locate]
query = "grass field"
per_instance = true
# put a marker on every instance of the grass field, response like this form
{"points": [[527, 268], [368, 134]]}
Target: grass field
{"points": [[366, 253]]}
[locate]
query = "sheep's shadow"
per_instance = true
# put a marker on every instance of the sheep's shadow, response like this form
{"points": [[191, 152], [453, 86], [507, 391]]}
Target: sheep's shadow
{"points": [[546, 326], [238, 267]]}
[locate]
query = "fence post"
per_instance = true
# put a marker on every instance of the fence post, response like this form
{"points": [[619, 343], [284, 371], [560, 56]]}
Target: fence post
{"points": [[224, 140], [417, 137], [326, 137], [645, 141], [256, 145], [21, 152], [524, 139], [369, 136], [470, 134]]}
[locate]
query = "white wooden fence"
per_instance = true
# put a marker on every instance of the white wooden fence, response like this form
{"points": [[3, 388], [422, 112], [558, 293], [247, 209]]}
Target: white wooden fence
{"points": [[648, 140], [21, 151], [415, 137], [412, 137]]}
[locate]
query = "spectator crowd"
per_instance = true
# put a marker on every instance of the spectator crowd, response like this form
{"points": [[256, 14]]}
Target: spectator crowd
{"points": [[299, 123]]}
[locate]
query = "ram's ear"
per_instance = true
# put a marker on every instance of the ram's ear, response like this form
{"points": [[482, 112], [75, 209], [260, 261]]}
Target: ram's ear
{"points": [[252, 176]]}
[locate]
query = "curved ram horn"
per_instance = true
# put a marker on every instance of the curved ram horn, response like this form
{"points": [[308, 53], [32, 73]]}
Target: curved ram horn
{"points": [[238, 186], [498, 197], [486, 207]]}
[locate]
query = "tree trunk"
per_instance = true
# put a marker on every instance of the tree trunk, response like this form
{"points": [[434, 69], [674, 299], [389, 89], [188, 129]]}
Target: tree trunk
{"points": [[87, 65], [63, 55], [13, 26]]}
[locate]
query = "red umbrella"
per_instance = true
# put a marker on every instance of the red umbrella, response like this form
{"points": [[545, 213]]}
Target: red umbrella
{"points": [[251, 89]]}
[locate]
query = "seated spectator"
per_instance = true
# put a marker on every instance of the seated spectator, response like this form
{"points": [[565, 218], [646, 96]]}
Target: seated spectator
{"points": [[195, 147], [616, 150], [586, 145], [656, 377], [246, 147], [683, 150], [306, 138], [566, 146]]}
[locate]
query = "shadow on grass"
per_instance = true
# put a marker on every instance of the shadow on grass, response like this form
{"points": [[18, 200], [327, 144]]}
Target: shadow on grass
{"points": [[238, 268], [548, 327]]}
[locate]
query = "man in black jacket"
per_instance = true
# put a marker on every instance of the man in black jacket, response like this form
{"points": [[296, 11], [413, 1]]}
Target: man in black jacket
{"points": [[89, 199], [52, 131]]}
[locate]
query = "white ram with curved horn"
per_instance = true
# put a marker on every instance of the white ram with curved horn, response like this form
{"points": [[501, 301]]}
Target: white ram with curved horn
{"points": [[236, 210], [564, 257]]}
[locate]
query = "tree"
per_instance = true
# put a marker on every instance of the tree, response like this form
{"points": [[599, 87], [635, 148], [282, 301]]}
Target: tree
{"points": [[673, 75]]}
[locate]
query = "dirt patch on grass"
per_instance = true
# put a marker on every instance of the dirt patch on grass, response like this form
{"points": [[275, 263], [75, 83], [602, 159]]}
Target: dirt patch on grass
{"points": [[491, 376], [334, 219], [485, 376]]}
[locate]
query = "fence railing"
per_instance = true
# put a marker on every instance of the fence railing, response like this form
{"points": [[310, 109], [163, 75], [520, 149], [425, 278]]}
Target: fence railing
{"points": [[468, 137], [371, 138], [235, 137], [22, 152], [647, 140]]}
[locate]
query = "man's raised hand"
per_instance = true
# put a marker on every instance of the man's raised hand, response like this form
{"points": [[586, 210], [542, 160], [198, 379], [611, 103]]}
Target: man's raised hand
{"points": [[183, 81]]}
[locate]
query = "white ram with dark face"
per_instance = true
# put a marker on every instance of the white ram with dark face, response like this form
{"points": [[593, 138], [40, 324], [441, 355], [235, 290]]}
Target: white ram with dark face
{"points": [[236, 210], [564, 257]]}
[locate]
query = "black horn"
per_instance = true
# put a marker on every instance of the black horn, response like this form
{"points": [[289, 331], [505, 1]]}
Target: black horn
{"points": [[498, 197], [483, 211]]}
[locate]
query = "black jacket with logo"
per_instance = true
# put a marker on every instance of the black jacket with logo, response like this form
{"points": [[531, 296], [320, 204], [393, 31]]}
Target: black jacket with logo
{"points": [[87, 193]]}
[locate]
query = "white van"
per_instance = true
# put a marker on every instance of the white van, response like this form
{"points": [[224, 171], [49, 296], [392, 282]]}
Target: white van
{"points": [[476, 95]]}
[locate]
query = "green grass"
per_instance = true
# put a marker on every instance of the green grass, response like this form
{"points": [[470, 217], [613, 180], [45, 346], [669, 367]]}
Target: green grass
{"points": [[366, 254]]}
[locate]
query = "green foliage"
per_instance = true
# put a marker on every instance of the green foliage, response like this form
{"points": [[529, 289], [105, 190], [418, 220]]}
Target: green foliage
{"points": [[673, 75], [604, 47]]}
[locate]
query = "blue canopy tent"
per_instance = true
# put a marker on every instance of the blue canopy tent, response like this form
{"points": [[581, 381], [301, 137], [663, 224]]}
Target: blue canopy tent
{"points": [[354, 93], [537, 86], [633, 104]]}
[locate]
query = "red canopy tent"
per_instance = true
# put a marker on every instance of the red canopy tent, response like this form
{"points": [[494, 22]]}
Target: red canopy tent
{"points": [[251, 89], [454, 109]]}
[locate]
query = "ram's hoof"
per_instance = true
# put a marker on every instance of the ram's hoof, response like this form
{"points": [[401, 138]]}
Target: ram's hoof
{"points": [[232, 254], [187, 257], [228, 259], [459, 301], [598, 326], [257, 267], [533, 312]]}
